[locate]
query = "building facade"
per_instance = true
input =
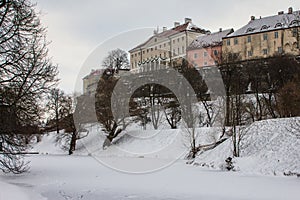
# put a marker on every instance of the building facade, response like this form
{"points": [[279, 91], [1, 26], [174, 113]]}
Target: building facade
{"points": [[166, 46], [206, 50], [265, 37], [90, 81]]}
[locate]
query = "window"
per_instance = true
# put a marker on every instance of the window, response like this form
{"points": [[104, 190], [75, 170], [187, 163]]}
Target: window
{"points": [[236, 41], [174, 53], [205, 63], [165, 55], [205, 53], [183, 38], [147, 50], [155, 39], [195, 55], [265, 36], [164, 44], [216, 52], [183, 49], [249, 39], [276, 34], [294, 32], [160, 46], [228, 42], [139, 53], [155, 48], [265, 51], [143, 52], [178, 51], [132, 56], [280, 50], [173, 41], [178, 40], [250, 53], [151, 49]]}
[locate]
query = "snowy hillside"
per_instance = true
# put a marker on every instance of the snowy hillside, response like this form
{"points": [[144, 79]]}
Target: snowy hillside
{"points": [[268, 147]]}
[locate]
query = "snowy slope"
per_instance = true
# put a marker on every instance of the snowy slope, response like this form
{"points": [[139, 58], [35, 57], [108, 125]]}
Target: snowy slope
{"points": [[268, 147]]}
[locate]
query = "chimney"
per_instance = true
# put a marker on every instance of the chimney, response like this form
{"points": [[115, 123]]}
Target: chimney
{"points": [[155, 32], [164, 28], [280, 13], [176, 24], [252, 18], [187, 20], [220, 30], [290, 11]]}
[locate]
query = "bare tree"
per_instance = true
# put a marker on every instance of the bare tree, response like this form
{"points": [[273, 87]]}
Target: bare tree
{"points": [[26, 75], [111, 126], [117, 59], [57, 100]]}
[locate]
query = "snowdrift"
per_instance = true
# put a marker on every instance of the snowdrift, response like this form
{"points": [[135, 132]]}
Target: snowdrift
{"points": [[268, 147]]}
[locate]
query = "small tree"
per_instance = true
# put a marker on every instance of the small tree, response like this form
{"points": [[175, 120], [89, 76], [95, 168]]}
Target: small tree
{"points": [[57, 100], [111, 126]]}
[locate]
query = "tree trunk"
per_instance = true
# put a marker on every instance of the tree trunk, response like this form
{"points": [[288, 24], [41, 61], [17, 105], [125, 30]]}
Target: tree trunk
{"points": [[73, 143]]}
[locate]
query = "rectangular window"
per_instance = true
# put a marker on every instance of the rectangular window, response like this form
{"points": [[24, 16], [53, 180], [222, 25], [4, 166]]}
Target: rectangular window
{"points": [[178, 51], [216, 52], [183, 38], [195, 55], [173, 41], [147, 50], [205, 53], [250, 53], [205, 63], [160, 46], [143, 52], [236, 41], [155, 48], [249, 39], [228, 42], [265, 51], [177, 39], [165, 55], [294, 32], [164, 44], [151, 49], [280, 50], [265, 36], [183, 49], [174, 53], [276, 34]]}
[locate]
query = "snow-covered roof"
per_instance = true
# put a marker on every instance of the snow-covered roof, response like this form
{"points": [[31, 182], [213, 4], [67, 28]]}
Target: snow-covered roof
{"points": [[213, 39], [270, 23], [188, 26]]}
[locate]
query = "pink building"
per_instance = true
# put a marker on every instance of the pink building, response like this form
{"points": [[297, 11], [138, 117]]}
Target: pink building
{"points": [[206, 50]]}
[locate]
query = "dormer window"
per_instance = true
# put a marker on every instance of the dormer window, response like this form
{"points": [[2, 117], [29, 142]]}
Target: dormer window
{"points": [[264, 27], [250, 30], [278, 25], [295, 22]]}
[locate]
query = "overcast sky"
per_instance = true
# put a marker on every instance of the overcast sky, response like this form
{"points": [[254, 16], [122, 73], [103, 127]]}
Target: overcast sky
{"points": [[77, 28]]}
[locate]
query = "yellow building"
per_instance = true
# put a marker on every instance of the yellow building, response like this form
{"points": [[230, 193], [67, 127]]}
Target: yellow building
{"points": [[265, 37], [90, 81], [165, 46]]}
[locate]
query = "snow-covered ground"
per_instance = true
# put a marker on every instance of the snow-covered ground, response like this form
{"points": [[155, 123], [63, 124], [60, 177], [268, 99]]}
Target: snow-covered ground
{"points": [[269, 148]]}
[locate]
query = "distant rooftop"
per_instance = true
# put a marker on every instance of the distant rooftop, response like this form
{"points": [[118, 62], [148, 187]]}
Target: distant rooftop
{"points": [[213, 39], [280, 21]]}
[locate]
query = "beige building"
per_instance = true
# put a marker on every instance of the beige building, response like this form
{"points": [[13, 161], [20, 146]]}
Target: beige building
{"points": [[265, 37], [90, 81], [165, 46]]}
